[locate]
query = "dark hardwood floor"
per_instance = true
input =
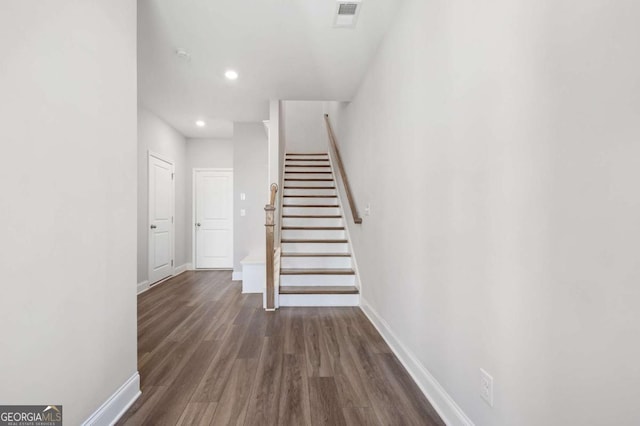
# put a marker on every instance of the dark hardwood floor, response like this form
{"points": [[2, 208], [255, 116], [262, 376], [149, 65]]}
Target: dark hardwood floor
{"points": [[209, 355]]}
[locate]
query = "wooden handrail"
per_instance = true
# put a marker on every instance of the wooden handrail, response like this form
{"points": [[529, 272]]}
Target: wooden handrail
{"points": [[270, 255], [272, 198], [334, 146]]}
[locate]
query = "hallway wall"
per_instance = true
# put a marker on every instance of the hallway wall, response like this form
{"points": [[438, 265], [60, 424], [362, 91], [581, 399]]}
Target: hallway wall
{"points": [[68, 243], [497, 145], [250, 175], [304, 128]]}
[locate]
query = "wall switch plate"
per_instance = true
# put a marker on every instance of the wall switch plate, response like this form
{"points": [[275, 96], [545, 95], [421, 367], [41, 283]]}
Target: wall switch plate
{"points": [[243, 212], [486, 387], [243, 196]]}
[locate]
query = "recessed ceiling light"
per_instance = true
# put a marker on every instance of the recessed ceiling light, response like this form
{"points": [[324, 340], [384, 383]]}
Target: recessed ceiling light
{"points": [[200, 123], [231, 75]]}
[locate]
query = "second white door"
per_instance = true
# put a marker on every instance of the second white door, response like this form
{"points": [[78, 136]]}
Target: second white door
{"points": [[161, 195], [213, 219]]}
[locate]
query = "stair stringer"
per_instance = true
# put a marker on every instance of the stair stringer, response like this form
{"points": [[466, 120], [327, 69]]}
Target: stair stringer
{"points": [[347, 218]]}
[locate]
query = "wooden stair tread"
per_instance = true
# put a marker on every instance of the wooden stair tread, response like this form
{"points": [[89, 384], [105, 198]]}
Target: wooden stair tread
{"points": [[312, 216], [318, 228], [315, 254], [307, 159], [288, 240], [310, 196], [311, 205], [316, 271], [309, 187], [307, 173], [319, 289], [309, 180], [310, 153], [308, 165]]}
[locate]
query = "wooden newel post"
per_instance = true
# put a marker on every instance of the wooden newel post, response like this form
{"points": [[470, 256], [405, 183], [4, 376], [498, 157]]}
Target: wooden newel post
{"points": [[270, 223], [269, 226]]}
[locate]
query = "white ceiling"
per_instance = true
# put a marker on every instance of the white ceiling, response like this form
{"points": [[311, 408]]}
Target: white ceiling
{"points": [[282, 49]]}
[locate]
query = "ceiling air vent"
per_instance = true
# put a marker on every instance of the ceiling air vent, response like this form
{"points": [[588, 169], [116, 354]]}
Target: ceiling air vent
{"points": [[347, 13]]}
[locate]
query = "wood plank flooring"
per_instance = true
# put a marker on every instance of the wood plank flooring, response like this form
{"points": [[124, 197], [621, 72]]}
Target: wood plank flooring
{"points": [[209, 355]]}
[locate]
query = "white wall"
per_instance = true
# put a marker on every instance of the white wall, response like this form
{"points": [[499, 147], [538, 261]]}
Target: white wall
{"points": [[209, 153], [203, 154], [250, 176], [275, 138], [276, 152], [497, 144], [304, 128], [68, 209], [157, 136]]}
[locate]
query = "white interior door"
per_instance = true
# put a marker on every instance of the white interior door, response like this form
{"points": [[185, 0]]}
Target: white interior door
{"points": [[161, 196], [213, 219]]}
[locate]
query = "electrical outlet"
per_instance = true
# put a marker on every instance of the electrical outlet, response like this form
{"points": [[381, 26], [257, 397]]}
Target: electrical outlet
{"points": [[243, 212], [243, 196], [367, 210], [486, 387]]}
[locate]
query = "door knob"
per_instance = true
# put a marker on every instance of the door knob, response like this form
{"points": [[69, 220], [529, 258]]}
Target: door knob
{"points": [[153, 227], [198, 224]]}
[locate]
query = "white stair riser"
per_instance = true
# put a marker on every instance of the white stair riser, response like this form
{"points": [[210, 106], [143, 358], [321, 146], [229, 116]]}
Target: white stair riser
{"points": [[316, 262], [317, 280], [319, 183], [315, 247], [311, 201], [308, 176], [319, 300], [293, 169], [319, 191], [295, 221], [313, 234], [310, 211]]}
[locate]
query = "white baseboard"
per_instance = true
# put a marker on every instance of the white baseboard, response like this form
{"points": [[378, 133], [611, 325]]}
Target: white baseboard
{"points": [[117, 404], [236, 276], [446, 407], [143, 286], [182, 268]]}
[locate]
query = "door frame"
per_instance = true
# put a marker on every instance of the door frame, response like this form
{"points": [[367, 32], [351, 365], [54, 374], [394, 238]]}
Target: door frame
{"points": [[194, 211], [161, 157]]}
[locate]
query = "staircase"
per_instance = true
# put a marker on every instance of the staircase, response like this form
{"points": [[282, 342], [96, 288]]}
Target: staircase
{"points": [[316, 268]]}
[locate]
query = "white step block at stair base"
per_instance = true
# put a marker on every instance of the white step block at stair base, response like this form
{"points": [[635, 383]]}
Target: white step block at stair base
{"points": [[311, 221], [313, 234], [317, 280], [316, 262], [253, 274], [303, 182], [333, 211], [315, 247], [318, 191], [311, 200], [319, 299], [288, 175]]}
